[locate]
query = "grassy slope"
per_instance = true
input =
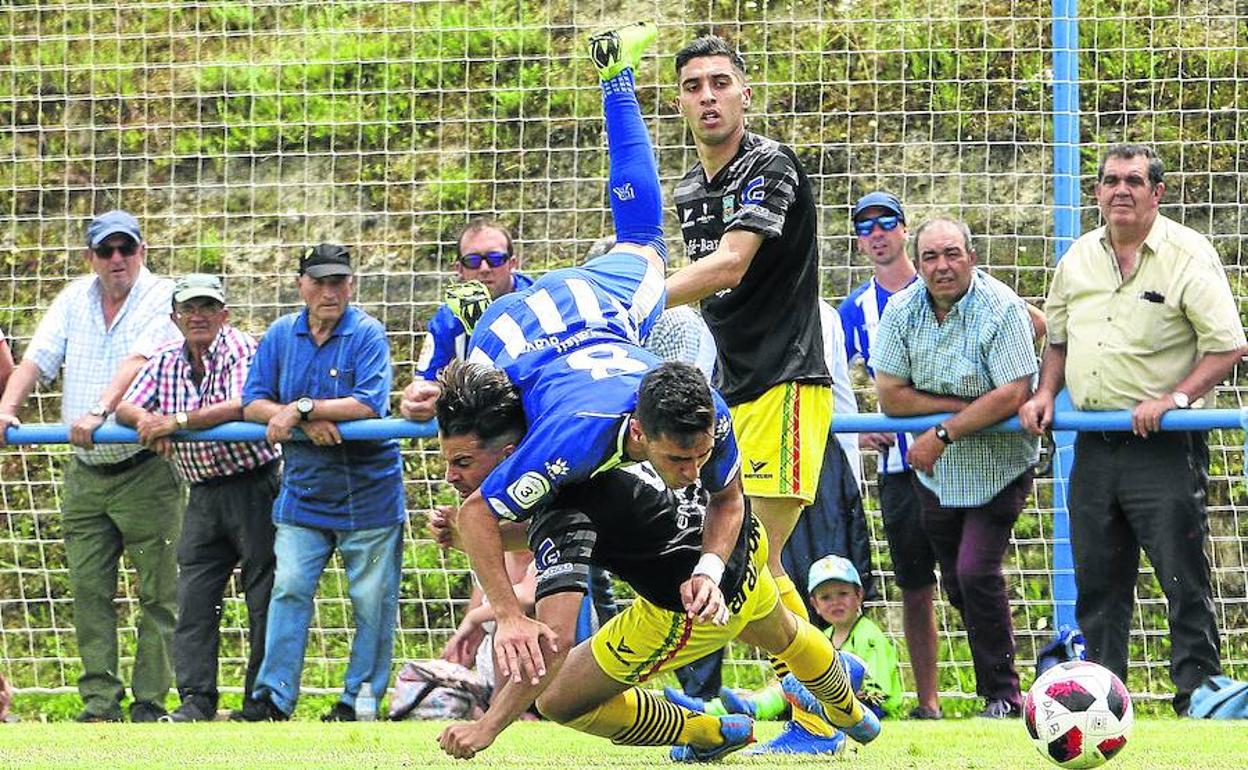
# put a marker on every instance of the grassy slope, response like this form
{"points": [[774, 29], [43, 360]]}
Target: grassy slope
{"points": [[1157, 743]]}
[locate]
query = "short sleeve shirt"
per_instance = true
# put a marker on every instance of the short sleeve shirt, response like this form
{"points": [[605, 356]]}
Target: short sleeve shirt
{"points": [[1131, 340], [767, 327], [72, 333], [984, 342]]}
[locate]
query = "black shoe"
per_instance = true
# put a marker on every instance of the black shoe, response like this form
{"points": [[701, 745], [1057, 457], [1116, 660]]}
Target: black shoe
{"points": [[258, 710], [999, 708], [192, 710], [341, 712], [111, 716], [146, 711], [923, 712]]}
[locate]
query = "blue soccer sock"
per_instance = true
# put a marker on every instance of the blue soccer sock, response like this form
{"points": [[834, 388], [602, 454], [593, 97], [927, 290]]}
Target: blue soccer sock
{"points": [[633, 176]]}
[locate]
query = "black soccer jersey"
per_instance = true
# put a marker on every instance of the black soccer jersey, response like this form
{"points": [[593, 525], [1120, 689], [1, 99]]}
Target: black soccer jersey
{"points": [[627, 521], [767, 328]]}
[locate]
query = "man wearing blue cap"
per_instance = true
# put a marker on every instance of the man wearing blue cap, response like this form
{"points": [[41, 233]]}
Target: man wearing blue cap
{"points": [[102, 328], [879, 223]]}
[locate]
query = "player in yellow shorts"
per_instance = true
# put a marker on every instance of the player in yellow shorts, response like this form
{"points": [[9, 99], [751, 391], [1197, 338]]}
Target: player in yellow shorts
{"points": [[627, 521]]}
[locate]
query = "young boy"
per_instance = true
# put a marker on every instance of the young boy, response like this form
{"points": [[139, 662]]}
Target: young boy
{"points": [[836, 594]]}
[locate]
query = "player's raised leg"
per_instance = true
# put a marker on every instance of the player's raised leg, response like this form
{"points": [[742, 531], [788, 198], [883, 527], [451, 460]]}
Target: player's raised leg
{"points": [[817, 681], [633, 176]]}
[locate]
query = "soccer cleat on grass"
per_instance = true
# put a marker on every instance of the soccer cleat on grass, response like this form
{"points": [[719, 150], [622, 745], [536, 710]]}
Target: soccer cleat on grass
{"points": [[679, 697], [619, 49], [736, 704], [864, 732], [737, 731], [796, 739]]}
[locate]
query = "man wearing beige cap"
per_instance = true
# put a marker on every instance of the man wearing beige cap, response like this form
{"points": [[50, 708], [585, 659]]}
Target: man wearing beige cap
{"points": [[102, 327], [193, 385]]}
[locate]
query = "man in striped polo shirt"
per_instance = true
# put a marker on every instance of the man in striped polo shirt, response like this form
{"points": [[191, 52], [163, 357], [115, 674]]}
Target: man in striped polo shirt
{"points": [[194, 385]]}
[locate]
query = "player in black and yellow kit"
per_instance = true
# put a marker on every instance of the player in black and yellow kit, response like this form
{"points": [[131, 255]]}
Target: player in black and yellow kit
{"points": [[629, 522], [748, 221]]}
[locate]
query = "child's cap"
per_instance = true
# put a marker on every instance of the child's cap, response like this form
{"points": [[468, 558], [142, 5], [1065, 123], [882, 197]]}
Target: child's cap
{"points": [[832, 568]]}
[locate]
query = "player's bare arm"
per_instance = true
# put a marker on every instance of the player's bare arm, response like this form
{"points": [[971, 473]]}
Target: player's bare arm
{"points": [[721, 269]]}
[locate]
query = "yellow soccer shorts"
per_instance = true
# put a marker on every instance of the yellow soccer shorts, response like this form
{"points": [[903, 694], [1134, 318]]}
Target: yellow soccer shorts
{"points": [[782, 436], [646, 640]]}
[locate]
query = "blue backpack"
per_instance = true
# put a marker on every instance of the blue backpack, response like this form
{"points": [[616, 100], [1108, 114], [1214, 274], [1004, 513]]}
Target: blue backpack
{"points": [[1220, 697]]}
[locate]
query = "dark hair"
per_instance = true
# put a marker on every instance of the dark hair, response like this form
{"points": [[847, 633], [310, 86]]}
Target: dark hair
{"points": [[477, 224], [961, 226], [1156, 171], [709, 45], [480, 400], [675, 401]]}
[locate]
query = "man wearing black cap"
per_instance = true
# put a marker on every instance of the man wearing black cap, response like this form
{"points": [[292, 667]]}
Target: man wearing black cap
{"points": [[193, 385], [326, 364], [880, 226], [102, 328]]}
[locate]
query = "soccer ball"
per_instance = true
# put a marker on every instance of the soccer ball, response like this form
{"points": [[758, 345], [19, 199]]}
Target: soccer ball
{"points": [[1078, 714]]}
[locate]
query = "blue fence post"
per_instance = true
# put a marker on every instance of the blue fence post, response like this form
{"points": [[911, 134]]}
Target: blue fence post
{"points": [[1066, 228]]}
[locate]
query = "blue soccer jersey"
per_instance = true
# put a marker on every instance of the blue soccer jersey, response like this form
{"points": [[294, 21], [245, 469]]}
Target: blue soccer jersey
{"points": [[860, 317], [448, 340], [569, 343]]}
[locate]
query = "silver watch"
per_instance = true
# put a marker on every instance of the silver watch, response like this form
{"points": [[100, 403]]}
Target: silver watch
{"points": [[99, 410], [1180, 399]]}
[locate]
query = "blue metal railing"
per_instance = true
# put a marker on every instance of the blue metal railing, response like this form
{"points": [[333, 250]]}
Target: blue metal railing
{"points": [[1066, 420]]}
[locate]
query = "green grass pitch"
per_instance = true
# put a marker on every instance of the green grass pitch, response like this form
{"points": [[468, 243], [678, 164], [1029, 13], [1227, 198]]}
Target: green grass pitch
{"points": [[953, 743]]}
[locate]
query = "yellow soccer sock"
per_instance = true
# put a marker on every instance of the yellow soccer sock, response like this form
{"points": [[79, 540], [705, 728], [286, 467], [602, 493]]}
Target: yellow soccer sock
{"points": [[638, 717], [792, 599], [812, 659]]}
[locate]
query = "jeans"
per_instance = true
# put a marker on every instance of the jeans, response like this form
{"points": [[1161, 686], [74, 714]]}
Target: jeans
{"points": [[372, 559]]}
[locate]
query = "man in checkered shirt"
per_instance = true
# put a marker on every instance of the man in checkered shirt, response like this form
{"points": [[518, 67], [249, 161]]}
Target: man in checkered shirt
{"points": [[193, 385], [102, 327], [960, 341]]}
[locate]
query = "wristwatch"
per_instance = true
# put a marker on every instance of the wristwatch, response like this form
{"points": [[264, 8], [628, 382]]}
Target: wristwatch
{"points": [[942, 433], [304, 407], [181, 419], [1180, 399], [99, 410]]}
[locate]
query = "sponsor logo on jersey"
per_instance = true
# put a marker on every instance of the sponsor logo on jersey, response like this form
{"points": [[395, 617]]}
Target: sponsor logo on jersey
{"points": [[500, 508], [723, 427], [528, 489], [753, 192], [756, 470], [729, 205], [555, 571], [546, 555], [624, 192], [557, 467]]}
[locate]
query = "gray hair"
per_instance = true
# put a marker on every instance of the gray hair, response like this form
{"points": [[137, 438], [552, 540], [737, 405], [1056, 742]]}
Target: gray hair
{"points": [[957, 223]]}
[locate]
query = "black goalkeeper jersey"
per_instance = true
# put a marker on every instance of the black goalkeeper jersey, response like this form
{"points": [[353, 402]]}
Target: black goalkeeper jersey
{"points": [[627, 521], [767, 328]]}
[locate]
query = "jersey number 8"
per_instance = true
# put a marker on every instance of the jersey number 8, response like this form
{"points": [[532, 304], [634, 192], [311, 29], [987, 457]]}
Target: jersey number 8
{"points": [[604, 360]]}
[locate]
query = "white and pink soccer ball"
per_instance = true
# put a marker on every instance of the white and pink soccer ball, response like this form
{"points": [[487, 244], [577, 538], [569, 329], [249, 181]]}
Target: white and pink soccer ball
{"points": [[1078, 714]]}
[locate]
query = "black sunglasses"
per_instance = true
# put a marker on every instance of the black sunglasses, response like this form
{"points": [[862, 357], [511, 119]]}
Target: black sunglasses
{"points": [[104, 251], [492, 258], [887, 223]]}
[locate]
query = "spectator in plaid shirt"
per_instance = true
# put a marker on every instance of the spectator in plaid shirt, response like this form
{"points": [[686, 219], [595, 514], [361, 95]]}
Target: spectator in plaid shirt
{"points": [[961, 341], [101, 328], [193, 385]]}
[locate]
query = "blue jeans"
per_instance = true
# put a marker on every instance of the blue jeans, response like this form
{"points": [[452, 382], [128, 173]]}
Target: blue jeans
{"points": [[372, 560]]}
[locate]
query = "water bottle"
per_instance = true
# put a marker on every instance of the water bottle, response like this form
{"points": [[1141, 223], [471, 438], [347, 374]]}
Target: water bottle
{"points": [[365, 704]]}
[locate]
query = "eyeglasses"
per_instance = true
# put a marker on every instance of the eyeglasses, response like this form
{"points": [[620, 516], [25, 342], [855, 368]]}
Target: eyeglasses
{"points": [[492, 258], [199, 308], [887, 223], [128, 249]]}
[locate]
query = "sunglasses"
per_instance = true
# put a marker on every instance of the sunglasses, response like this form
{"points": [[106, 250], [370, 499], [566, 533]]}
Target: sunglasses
{"points": [[887, 223], [105, 251], [492, 258]]}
